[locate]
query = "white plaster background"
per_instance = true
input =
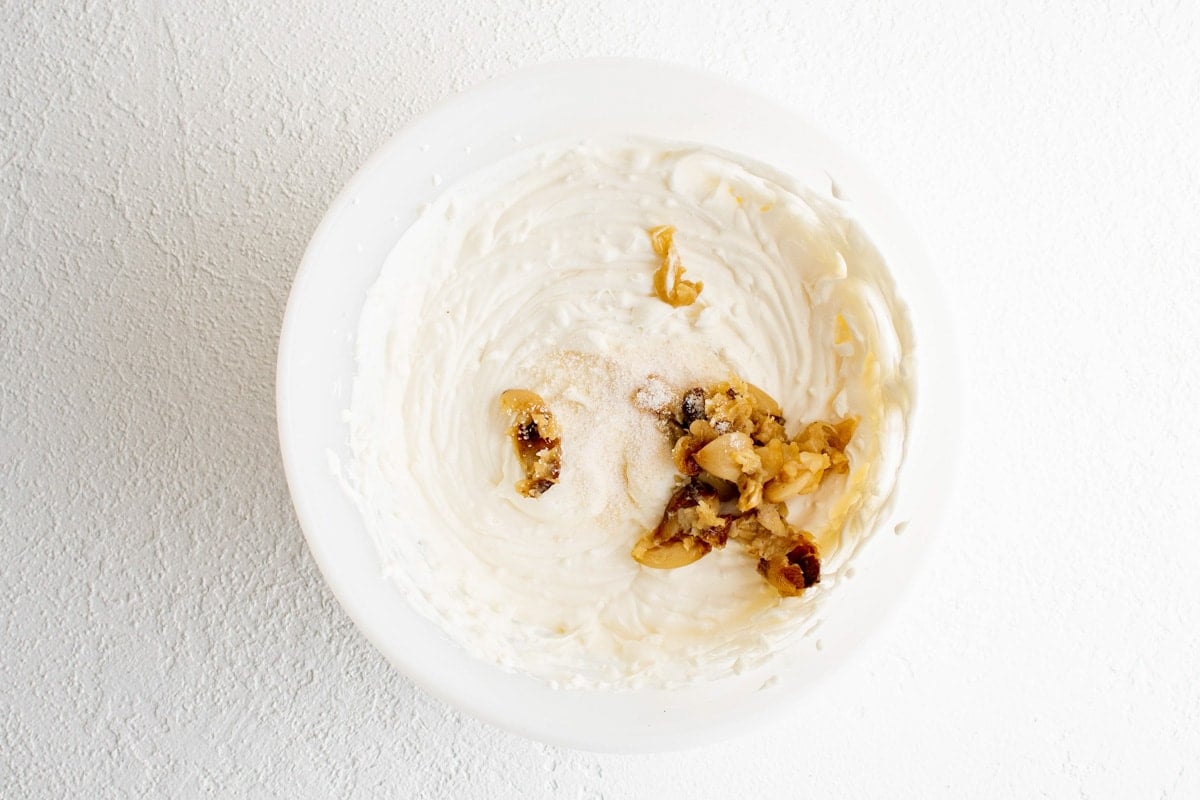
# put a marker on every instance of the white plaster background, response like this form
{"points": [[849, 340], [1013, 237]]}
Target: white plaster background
{"points": [[163, 631]]}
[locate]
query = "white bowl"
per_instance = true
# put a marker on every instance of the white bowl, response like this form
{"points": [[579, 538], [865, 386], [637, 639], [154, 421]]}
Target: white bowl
{"points": [[316, 369]]}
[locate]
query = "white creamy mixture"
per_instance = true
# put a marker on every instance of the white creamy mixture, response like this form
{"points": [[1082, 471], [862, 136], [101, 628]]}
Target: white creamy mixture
{"points": [[536, 274]]}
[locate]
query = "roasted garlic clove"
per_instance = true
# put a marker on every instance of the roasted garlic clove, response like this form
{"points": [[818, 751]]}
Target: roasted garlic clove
{"points": [[801, 475], [829, 439], [750, 494], [690, 528], [764, 402], [699, 433], [671, 554], [732, 445], [669, 285], [730, 457], [684, 455], [768, 429], [695, 510], [794, 572], [764, 532], [536, 439], [692, 407]]}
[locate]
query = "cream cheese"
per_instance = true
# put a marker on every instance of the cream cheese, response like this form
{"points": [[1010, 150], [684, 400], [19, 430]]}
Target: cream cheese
{"points": [[536, 274]]}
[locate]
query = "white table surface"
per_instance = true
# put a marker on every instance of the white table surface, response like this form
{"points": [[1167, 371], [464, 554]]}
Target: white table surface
{"points": [[163, 631]]}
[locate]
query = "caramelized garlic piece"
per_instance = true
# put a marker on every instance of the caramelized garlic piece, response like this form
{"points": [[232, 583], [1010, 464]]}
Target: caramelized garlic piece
{"points": [[729, 457], [752, 449], [690, 528], [670, 554], [669, 285], [792, 573], [732, 446], [536, 439]]}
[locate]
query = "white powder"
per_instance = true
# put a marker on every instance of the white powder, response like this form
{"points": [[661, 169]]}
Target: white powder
{"points": [[616, 453], [655, 395]]}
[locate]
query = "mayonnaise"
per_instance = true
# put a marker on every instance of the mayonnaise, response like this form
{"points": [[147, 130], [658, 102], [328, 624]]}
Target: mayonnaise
{"points": [[536, 274]]}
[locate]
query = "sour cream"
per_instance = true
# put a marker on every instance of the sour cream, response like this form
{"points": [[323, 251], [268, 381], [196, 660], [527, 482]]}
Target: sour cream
{"points": [[536, 274]]}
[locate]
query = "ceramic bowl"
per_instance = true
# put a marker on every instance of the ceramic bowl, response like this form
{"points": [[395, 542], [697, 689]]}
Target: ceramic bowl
{"points": [[316, 368]]}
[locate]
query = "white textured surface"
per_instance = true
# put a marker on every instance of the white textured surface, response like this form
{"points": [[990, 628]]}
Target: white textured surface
{"points": [[162, 629]]}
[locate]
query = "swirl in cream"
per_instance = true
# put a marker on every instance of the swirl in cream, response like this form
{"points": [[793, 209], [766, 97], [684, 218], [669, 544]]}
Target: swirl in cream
{"points": [[536, 274]]}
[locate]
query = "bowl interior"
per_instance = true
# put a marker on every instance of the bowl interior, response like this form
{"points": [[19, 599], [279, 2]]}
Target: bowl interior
{"points": [[316, 369]]}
